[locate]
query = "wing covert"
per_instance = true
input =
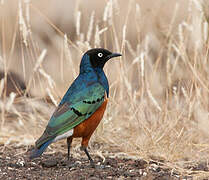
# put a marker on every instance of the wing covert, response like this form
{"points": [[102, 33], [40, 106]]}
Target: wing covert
{"points": [[73, 111]]}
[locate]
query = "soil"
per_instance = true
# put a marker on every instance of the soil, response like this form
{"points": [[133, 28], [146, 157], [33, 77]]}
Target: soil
{"points": [[14, 164]]}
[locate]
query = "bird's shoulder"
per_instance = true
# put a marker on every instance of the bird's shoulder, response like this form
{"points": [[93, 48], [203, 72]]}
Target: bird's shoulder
{"points": [[78, 107], [82, 83]]}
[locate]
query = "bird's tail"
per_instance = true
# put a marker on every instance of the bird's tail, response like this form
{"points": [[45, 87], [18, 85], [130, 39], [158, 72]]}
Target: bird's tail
{"points": [[36, 152]]}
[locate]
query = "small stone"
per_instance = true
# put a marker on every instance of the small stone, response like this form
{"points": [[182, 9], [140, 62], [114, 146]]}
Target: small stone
{"points": [[20, 162], [144, 174], [50, 163]]}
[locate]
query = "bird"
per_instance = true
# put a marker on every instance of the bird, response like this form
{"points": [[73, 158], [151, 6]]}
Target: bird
{"points": [[82, 107]]}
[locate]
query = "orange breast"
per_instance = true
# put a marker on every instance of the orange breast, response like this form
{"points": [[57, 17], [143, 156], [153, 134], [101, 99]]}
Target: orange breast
{"points": [[87, 127]]}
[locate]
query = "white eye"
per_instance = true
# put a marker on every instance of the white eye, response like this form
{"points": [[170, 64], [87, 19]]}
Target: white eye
{"points": [[100, 54]]}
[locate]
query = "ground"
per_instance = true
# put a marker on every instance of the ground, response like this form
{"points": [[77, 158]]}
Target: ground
{"points": [[14, 164]]}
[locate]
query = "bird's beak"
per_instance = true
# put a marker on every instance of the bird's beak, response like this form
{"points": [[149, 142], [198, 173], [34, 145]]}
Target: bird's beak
{"points": [[113, 55]]}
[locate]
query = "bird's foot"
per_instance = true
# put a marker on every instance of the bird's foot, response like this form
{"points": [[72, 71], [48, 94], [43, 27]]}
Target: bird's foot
{"points": [[69, 158], [92, 164]]}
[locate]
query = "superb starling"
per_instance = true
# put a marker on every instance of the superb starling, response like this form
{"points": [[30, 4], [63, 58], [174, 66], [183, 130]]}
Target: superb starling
{"points": [[82, 107]]}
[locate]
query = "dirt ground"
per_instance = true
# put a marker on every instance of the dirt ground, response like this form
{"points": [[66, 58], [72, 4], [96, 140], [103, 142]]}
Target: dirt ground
{"points": [[16, 165]]}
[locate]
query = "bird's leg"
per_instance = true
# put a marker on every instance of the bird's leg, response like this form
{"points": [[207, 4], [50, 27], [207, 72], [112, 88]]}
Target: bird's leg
{"points": [[84, 145], [69, 141], [89, 157]]}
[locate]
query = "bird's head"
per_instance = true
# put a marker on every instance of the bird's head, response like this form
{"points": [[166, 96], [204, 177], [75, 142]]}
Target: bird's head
{"points": [[98, 57]]}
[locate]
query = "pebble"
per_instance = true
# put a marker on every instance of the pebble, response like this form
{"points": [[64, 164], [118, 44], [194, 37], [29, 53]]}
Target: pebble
{"points": [[49, 163]]}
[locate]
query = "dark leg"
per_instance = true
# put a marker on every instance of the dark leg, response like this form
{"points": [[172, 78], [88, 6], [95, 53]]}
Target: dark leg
{"points": [[87, 153], [84, 145], [69, 141]]}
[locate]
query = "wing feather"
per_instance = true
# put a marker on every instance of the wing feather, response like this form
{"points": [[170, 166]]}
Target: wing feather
{"points": [[74, 111]]}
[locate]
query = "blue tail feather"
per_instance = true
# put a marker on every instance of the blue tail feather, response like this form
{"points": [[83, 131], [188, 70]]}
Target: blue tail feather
{"points": [[36, 152]]}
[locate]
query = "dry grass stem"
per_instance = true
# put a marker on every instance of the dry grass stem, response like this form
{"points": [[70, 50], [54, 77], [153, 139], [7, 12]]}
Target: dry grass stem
{"points": [[159, 89]]}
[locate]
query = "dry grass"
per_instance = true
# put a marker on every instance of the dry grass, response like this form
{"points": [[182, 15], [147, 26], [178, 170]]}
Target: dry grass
{"points": [[159, 104]]}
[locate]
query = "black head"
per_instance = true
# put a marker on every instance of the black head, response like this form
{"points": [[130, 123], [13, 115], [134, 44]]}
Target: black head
{"points": [[99, 56]]}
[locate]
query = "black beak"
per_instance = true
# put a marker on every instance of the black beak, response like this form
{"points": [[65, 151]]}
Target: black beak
{"points": [[113, 55]]}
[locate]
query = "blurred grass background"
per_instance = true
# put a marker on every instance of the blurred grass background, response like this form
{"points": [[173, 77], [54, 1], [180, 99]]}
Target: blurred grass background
{"points": [[159, 89]]}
